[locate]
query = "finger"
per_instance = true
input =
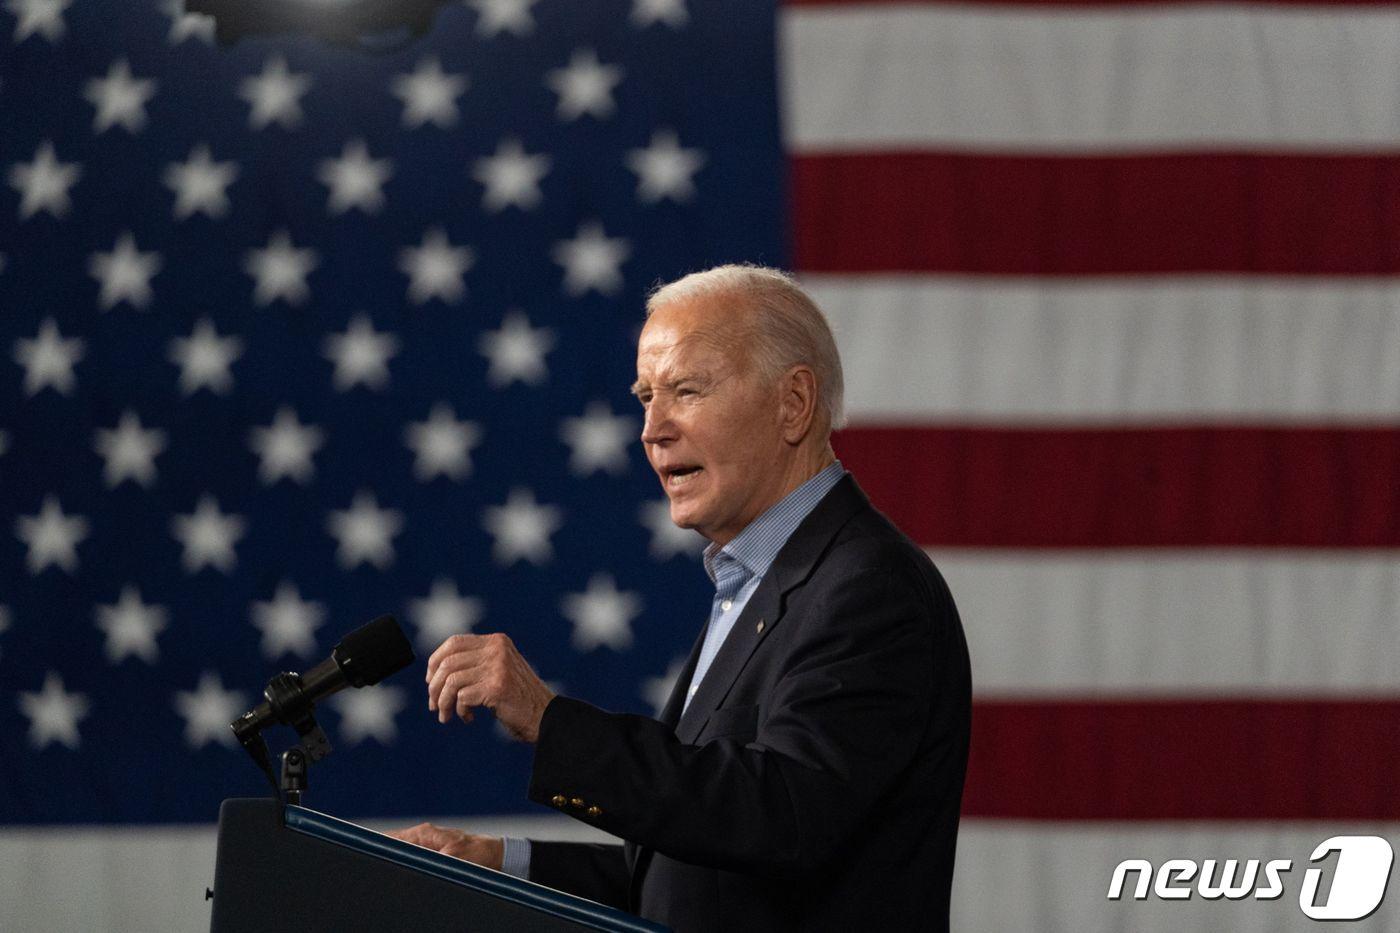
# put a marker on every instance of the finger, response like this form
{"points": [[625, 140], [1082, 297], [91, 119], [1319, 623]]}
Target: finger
{"points": [[453, 645], [464, 683], [409, 833], [448, 665], [458, 670]]}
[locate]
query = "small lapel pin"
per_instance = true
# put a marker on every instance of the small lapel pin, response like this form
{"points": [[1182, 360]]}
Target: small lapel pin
{"points": [[760, 626]]}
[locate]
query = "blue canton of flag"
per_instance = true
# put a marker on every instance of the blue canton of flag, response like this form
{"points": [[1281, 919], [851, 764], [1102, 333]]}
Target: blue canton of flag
{"points": [[295, 334]]}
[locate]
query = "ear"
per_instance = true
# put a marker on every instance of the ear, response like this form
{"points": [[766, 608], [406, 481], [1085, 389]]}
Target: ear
{"points": [[799, 403]]}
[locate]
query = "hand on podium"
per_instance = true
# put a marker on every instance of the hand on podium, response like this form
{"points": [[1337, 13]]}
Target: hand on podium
{"points": [[486, 851]]}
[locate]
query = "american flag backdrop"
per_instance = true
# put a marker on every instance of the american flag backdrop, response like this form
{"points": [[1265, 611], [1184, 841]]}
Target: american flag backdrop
{"points": [[294, 334]]}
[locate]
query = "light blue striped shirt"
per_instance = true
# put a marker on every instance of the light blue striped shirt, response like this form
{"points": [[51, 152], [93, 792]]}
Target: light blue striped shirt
{"points": [[736, 570]]}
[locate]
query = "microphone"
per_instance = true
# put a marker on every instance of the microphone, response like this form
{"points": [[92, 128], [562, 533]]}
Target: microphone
{"points": [[364, 657]]}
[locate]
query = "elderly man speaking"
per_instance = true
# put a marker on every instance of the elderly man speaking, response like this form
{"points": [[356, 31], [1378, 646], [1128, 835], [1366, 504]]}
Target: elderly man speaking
{"points": [[808, 769]]}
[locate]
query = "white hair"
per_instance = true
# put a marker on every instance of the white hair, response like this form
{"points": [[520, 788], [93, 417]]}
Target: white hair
{"points": [[787, 327]]}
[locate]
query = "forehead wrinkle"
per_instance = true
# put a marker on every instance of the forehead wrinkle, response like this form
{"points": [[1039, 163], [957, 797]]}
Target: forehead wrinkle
{"points": [[706, 342]]}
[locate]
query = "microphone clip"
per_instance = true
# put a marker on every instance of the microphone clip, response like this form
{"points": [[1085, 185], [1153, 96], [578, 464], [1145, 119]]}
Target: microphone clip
{"points": [[286, 695]]}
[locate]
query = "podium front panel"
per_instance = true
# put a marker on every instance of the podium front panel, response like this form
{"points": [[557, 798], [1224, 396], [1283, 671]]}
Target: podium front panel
{"points": [[298, 870]]}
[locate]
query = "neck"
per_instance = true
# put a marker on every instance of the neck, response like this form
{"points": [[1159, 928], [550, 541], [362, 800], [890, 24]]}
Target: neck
{"points": [[805, 465]]}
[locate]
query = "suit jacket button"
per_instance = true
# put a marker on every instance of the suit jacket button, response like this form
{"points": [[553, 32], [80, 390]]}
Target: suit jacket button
{"points": [[558, 800], [595, 811], [577, 801]]}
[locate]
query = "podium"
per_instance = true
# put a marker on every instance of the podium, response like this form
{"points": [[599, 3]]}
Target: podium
{"points": [[289, 868]]}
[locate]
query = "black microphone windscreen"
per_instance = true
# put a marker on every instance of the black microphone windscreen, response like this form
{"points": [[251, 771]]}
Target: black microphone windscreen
{"points": [[373, 652]]}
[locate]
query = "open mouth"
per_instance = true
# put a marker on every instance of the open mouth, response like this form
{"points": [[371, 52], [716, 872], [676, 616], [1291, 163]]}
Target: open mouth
{"points": [[680, 476]]}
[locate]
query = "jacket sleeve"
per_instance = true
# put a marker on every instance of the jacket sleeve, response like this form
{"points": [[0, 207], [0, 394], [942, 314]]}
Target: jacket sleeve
{"points": [[842, 721], [597, 872]]}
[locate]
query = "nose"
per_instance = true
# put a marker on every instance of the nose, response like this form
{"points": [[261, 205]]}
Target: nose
{"points": [[658, 425]]}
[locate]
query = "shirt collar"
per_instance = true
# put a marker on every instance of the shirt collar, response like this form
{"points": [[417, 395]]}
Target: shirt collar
{"points": [[757, 546]]}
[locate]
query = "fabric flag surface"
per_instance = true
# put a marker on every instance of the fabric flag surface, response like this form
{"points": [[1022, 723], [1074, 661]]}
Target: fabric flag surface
{"points": [[293, 334]]}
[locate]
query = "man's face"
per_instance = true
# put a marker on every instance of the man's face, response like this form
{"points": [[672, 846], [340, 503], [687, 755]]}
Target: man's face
{"points": [[713, 429]]}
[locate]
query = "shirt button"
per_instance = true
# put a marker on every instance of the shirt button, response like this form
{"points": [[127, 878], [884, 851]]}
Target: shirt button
{"points": [[726, 605], [577, 801], [558, 800], [595, 811]]}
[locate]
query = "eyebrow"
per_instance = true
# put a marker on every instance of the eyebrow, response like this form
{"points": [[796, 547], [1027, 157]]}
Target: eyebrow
{"points": [[703, 378]]}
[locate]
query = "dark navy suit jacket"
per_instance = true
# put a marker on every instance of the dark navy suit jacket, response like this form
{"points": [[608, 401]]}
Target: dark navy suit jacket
{"points": [[815, 780]]}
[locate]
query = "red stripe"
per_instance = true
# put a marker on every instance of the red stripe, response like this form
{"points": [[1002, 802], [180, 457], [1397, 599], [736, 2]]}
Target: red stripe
{"points": [[1088, 215], [1132, 487], [1184, 760]]}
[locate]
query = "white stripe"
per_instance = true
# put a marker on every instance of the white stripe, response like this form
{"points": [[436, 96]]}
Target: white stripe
{"points": [[139, 879], [948, 76], [1055, 877], [1178, 622], [1010, 875], [918, 348]]}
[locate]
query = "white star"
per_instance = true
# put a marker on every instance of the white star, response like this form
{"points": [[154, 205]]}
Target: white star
{"points": [[48, 359], [355, 179], [664, 169], [208, 536], [516, 351], [435, 269], [119, 98], [199, 183], [522, 528], [585, 86], [602, 615], [657, 690], [592, 260], [667, 538], [274, 95], [130, 451], [361, 355], [53, 713], [131, 627], [44, 182], [511, 176], [444, 613], [51, 536], [183, 25], [369, 713], [288, 623], [285, 448], [44, 17], [208, 710], [125, 273], [204, 359], [497, 16], [365, 532], [442, 444], [598, 440], [429, 95], [670, 12], [280, 269]]}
